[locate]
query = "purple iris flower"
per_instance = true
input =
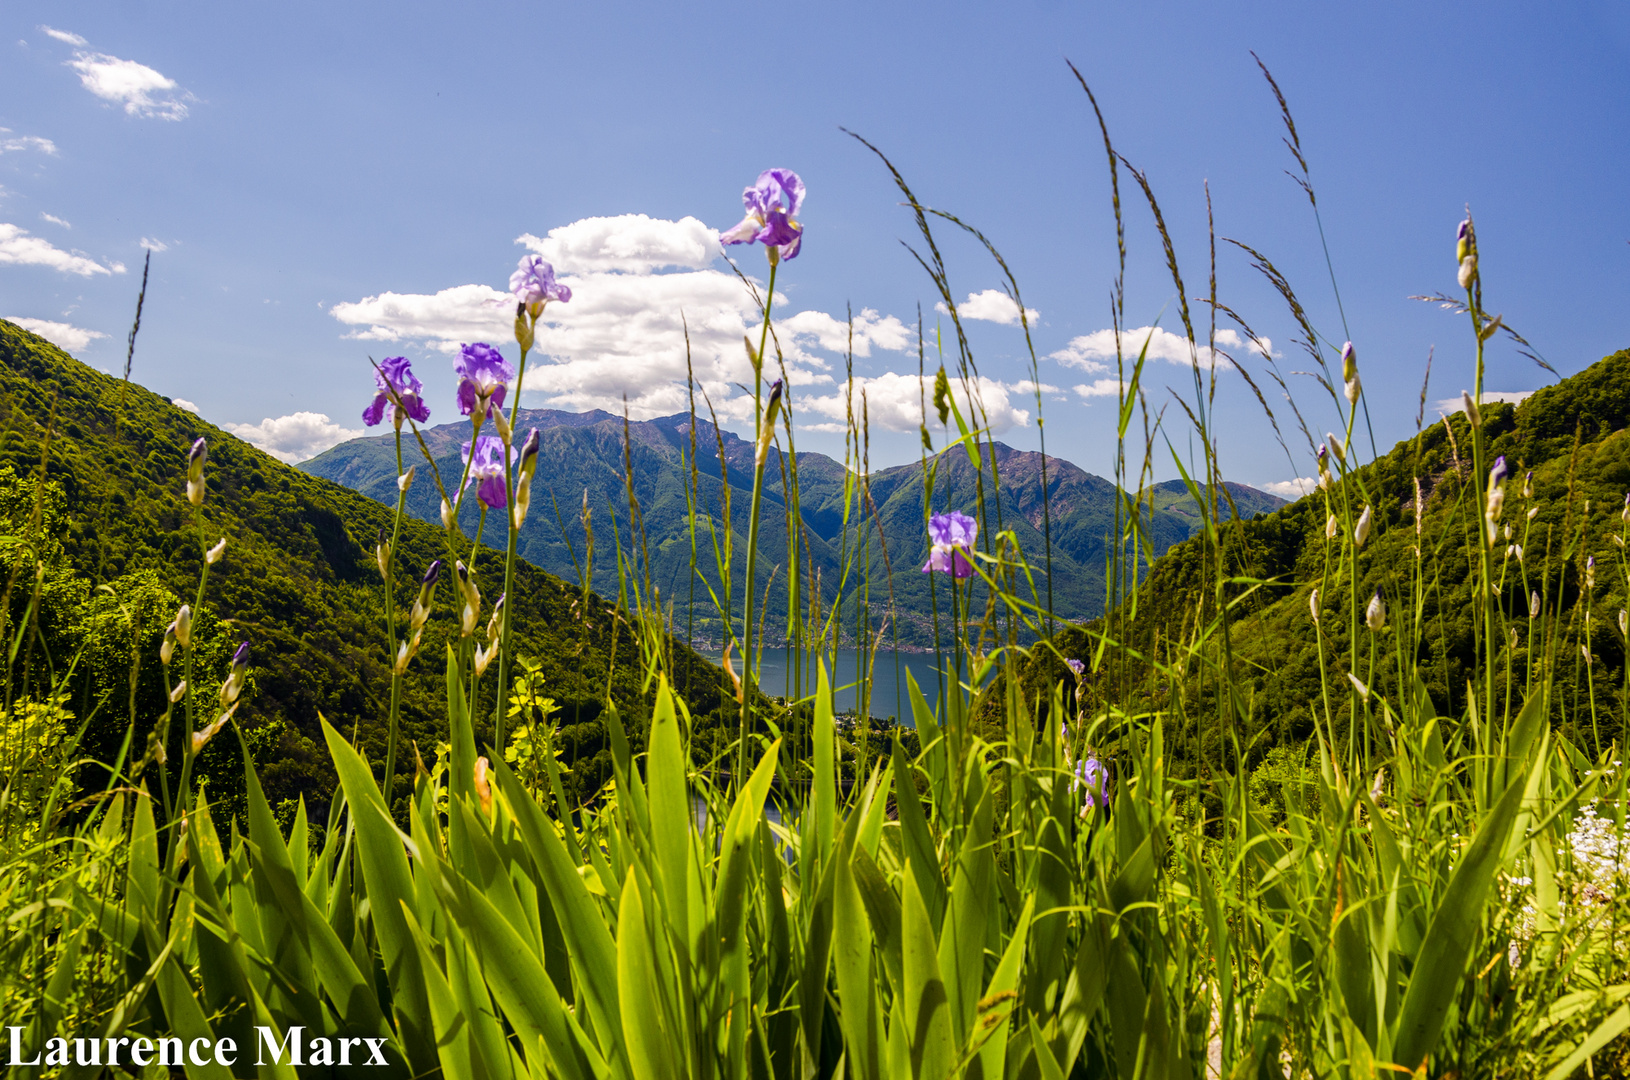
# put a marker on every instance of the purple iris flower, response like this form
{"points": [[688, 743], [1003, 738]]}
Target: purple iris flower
{"points": [[1076, 666], [487, 471], [482, 375], [1094, 777], [1497, 474], [398, 388], [535, 282], [772, 209], [952, 536]]}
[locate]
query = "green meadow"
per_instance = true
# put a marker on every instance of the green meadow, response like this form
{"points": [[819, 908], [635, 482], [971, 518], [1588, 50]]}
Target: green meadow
{"points": [[299, 782]]}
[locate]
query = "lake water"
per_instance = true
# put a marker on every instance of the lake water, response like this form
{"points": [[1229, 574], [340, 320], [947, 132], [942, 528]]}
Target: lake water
{"points": [[889, 693]]}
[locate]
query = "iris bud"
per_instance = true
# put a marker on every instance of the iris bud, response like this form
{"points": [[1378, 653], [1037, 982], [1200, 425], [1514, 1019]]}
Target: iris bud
{"points": [[472, 601], [766, 430], [1375, 616], [213, 555], [523, 481], [234, 679], [523, 329], [1472, 412], [195, 471], [1361, 532]]}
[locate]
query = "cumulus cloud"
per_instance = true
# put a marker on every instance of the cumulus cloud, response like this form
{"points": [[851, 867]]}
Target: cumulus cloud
{"points": [[290, 438], [828, 332], [1096, 351], [63, 335], [628, 243], [992, 305], [1099, 388], [896, 402], [1453, 405], [154, 245], [140, 89], [460, 314], [63, 35], [11, 144], [183, 403], [53, 219], [624, 332], [19, 248], [1290, 489], [1025, 386]]}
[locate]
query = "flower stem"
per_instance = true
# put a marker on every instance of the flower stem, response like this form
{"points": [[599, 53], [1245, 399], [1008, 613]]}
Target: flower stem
{"points": [[390, 626], [739, 774], [513, 531]]}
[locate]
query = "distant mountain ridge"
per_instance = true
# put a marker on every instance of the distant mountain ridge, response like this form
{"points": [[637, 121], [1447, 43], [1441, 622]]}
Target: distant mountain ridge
{"points": [[585, 452]]}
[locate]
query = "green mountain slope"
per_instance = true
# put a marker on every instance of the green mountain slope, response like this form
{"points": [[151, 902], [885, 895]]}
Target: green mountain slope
{"points": [[586, 453], [298, 581], [1573, 438]]}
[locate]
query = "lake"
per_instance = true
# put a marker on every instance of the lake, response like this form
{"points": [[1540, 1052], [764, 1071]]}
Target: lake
{"points": [[889, 696]]}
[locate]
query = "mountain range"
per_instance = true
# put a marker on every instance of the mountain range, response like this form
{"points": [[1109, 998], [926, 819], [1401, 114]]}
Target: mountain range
{"points": [[588, 456]]}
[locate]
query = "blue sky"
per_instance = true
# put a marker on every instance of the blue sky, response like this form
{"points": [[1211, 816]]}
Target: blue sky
{"points": [[323, 182]]}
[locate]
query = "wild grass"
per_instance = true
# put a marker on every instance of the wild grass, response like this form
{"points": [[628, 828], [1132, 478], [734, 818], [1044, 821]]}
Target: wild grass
{"points": [[1030, 890]]}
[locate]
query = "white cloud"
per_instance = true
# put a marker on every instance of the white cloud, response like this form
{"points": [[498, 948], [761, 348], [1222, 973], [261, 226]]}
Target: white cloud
{"points": [[1290, 489], [1025, 386], [831, 333], [896, 402], [624, 330], [992, 305], [21, 249], [1454, 404], [183, 403], [294, 437], [461, 314], [140, 89], [154, 245], [10, 144], [1099, 388], [63, 35], [1096, 351], [630, 243], [63, 335], [53, 219]]}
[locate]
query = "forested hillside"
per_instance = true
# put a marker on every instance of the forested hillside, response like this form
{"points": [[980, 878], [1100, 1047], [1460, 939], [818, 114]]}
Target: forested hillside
{"points": [[298, 581], [1562, 562]]}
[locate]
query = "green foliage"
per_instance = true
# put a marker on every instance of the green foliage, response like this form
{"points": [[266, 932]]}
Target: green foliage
{"points": [[297, 581]]}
